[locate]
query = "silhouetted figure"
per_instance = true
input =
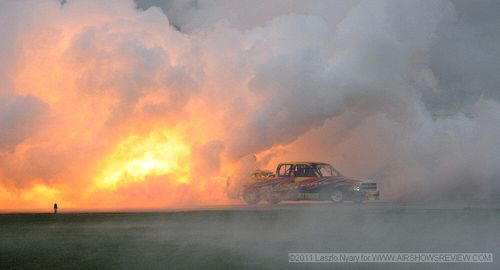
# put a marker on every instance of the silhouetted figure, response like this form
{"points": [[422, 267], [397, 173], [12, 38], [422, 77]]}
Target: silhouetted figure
{"points": [[55, 208]]}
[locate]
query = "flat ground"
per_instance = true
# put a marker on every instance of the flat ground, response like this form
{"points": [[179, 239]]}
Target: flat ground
{"points": [[247, 237]]}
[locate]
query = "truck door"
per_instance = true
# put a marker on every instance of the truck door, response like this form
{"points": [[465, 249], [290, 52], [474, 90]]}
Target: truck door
{"points": [[302, 173], [304, 178]]}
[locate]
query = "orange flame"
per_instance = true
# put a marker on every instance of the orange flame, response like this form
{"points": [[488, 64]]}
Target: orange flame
{"points": [[135, 158]]}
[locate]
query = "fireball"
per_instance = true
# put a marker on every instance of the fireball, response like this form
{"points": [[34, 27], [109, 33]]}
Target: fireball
{"points": [[136, 158]]}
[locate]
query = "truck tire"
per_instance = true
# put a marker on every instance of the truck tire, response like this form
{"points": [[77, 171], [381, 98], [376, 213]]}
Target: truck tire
{"points": [[251, 196], [336, 196]]}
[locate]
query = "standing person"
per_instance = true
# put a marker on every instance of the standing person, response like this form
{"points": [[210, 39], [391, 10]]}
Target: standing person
{"points": [[55, 208]]}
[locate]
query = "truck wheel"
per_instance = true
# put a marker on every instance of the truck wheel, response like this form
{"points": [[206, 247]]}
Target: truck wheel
{"points": [[251, 196], [337, 196]]}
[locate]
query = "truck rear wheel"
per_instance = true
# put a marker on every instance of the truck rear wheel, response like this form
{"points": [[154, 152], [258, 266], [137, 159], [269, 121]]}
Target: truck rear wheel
{"points": [[251, 196]]}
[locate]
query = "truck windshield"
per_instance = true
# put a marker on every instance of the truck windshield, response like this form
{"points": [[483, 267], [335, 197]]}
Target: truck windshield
{"points": [[326, 171]]}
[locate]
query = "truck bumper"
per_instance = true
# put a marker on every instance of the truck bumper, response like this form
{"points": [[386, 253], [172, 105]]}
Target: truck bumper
{"points": [[372, 195]]}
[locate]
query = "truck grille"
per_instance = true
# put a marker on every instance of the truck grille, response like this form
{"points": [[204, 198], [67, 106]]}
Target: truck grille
{"points": [[368, 186]]}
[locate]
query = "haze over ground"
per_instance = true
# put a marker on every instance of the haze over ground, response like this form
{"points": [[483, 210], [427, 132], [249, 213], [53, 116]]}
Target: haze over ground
{"points": [[247, 237]]}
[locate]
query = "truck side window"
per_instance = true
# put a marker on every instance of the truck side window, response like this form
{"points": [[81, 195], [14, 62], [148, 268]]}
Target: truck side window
{"points": [[309, 172], [303, 171], [284, 170]]}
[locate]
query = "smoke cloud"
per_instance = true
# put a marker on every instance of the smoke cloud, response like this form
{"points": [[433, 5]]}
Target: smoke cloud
{"points": [[128, 104]]}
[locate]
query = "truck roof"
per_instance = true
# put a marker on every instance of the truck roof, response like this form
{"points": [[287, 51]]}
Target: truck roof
{"points": [[304, 162]]}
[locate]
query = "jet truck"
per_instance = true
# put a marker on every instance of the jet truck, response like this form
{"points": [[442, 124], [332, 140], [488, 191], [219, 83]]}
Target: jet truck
{"points": [[312, 181]]}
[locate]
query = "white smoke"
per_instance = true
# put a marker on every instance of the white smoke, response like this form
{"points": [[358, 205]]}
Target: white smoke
{"points": [[370, 73]]}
